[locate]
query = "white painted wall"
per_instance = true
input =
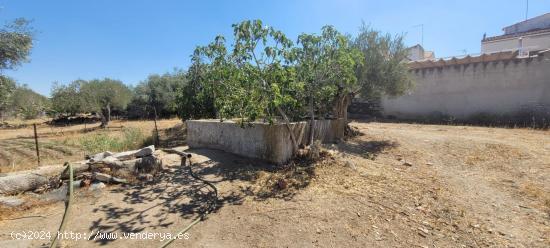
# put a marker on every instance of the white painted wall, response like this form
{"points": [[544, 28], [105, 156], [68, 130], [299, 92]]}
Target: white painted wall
{"points": [[539, 22], [502, 87], [416, 53], [533, 42]]}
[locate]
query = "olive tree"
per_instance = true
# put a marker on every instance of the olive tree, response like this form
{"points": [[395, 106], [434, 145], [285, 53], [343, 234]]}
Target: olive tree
{"points": [[381, 69], [28, 104], [103, 96], [16, 40], [157, 94], [7, 86], [67, 99]]}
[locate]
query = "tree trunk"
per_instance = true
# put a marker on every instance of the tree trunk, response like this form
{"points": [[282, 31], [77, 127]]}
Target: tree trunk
{"points": [[341, 104], [312, 123], [290, 131], [21, 181], [105, 116]]}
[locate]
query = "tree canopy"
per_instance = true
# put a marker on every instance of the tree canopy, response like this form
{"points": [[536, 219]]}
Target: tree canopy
{"points": [[98, 96], [157, 93], [16, 40], [264, 75], [28, 104], [66, 99]]}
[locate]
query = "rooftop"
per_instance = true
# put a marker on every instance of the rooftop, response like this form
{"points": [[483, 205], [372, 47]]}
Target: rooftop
{"points": [[505, 36], [537, 22], [468, 59]]}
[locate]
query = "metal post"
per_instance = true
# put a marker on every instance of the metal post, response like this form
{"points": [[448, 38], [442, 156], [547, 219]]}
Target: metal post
{"points": [[36, 144], [527, 10]]}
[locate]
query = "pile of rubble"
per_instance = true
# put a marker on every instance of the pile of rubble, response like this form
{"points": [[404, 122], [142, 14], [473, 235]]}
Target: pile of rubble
{"points": [[95, 172]]}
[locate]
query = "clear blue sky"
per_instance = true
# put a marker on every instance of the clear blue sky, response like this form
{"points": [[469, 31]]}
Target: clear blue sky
{"points": [[128, 40]]}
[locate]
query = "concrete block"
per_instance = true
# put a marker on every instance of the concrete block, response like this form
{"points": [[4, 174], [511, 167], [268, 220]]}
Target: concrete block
{"points": [[261, 140]]}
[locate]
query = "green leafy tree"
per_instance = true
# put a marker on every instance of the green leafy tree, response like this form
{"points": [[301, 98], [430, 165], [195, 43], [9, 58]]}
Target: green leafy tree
{"points": [[263, 75], [324, 63], [16, 40], [381, 70], [103, 96], [196, 98], [258, 80], [157, 94], [67, 99], [7, 86], [28, 104]]}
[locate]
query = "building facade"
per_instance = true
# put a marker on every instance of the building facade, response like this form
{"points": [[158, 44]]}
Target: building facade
{"points": [[528, 36]]}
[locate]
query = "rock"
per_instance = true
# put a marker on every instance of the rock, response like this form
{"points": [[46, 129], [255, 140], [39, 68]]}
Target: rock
{"points": [[146, 151], [77, 183], [149, 164], [143, 152], [11, 201], [407, 164], [97, 186], [100, 156], [423, 232], [145, 177]]}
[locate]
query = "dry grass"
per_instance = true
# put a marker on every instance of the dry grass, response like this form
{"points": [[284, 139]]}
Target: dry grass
{"points": [[72, 143]]}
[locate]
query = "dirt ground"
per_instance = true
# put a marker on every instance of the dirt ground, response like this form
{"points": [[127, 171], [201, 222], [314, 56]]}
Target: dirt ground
{"points": [[398, 185]]}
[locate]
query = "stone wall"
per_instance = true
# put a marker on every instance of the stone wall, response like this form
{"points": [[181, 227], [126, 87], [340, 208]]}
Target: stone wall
{"points": [[261, 140]]}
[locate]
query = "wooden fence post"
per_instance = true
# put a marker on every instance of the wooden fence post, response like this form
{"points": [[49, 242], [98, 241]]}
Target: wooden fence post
{"points": [[156, 129], [36, 144]]}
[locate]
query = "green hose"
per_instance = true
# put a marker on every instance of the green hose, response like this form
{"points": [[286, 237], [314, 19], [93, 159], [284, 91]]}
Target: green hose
{"points": [[185, 158], [67, 203], [197, 220]]}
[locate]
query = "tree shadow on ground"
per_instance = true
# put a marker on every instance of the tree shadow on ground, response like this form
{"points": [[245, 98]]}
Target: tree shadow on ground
{"points": [[366, 148], [263, 180], [175, 191]]}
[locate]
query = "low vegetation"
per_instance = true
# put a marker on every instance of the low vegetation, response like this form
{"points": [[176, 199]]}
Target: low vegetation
{"points": [[128, 139], [72, 143]]}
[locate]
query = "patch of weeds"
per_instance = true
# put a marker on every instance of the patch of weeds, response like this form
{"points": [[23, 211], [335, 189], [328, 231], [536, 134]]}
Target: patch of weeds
{"points": [[131, 138]]}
